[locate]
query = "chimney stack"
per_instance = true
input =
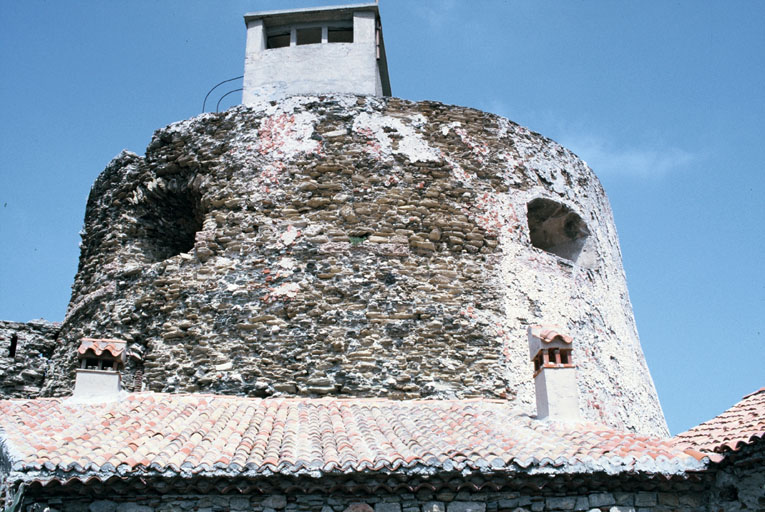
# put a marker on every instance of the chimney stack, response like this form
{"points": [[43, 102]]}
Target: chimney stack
{"points": [[100, 363], [554, 374]]}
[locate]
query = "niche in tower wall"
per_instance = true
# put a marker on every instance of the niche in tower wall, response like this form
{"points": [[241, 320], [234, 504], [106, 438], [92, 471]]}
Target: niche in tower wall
{"points": [[557, 229], [170, 218]]}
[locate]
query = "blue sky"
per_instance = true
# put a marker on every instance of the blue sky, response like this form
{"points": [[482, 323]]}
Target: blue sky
{"points": [[665, 101]]}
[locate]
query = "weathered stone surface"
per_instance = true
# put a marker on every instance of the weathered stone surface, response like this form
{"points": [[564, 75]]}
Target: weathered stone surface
{"points": [[738, 483], [466, 506], [381, 501], [561, 503], [645, 499], [359, 507], [388, 507], [246, 253], [133, 507], [433, 506], [103, 506], [277, 501], [602, 499], [25, 351]]}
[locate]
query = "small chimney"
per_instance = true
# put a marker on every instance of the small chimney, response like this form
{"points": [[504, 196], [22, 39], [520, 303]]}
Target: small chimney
{"points": [[554, 373], [100, 363]]}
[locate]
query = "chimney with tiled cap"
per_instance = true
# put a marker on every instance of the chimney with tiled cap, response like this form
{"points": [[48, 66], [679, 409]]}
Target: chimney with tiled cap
{"points": [[554, 373], [100, 363]]}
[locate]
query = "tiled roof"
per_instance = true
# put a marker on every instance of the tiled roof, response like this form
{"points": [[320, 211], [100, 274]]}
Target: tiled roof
{"points": [[550, 333], [168, 435], [99, 346], [742, 424]]}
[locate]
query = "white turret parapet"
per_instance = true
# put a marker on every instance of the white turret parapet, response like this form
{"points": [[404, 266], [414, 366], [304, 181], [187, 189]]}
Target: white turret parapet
{"points": [[314, 51]]}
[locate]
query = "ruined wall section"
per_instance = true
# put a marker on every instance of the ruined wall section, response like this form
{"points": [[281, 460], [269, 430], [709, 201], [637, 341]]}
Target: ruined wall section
{"points": [[25, 351], [353, 246], [740, 480]]}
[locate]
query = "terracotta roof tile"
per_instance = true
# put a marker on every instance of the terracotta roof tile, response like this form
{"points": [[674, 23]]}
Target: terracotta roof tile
{"points": [[99, 346], [742, 424], [146, 433], [549, 333]]}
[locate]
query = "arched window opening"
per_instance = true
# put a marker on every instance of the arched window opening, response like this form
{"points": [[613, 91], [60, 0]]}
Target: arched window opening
{"points": [[557, 229]]}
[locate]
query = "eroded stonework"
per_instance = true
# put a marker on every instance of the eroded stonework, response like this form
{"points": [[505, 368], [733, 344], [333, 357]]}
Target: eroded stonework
{"points": [[354, 246], [25, 349]]}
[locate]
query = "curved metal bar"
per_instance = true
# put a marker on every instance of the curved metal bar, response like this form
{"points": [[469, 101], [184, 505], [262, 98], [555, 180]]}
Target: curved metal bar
{"points": [[204, 103], [221, 98]]}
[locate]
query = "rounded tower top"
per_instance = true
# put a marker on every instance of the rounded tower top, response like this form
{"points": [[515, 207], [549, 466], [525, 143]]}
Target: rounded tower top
{"points": [[357, 246]]}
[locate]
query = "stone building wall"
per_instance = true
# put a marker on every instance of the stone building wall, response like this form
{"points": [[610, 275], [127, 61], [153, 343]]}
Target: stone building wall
{"points": [[442, 501], [25, 351], [356, 246], [740, 480]]}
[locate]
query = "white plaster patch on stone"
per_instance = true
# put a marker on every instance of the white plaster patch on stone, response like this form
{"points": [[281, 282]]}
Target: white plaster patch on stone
{"points": [[286, 290], [335, 133], [546, 159], [448, 127], [223, 263], [411, 144], [313, 229], [418, 120], [290, 104], [287, 263], [458, 172], [496, 213], [288, 237], [512, 158], [284, 136], [479, 149]]}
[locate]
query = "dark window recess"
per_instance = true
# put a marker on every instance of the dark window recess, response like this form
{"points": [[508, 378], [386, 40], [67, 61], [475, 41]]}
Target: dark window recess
{"points": [[556, 228], [278, 40], [91, 364], [340, 35], [12, 348], [309, 35], [170, 223]]}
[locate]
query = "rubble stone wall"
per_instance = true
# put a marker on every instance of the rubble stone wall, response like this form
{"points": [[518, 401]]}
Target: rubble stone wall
{"points": [[740, 481], [25, 351], [445, 501], [355, 246]]}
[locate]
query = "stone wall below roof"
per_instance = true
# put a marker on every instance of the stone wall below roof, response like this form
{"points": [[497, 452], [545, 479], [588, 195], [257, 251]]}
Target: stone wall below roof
{"points": [[22, 374], [740, 481], [424, 501]]}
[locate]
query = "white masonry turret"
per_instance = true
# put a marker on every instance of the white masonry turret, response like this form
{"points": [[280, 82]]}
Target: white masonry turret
{"points": [[315, 51]]}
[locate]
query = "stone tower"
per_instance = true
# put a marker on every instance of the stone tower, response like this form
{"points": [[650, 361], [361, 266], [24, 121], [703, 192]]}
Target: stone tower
{"points": [[355, 245]]}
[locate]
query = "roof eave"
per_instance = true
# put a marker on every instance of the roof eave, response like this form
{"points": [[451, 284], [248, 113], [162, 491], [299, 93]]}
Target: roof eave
{"points": [[308, 14]]}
